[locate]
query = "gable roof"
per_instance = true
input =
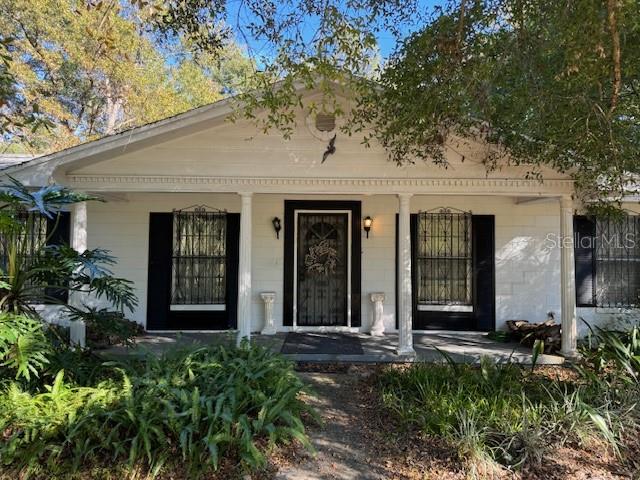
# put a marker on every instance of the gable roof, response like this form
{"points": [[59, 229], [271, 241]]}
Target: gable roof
{"points": [[212, 111], [13, 159], [121, 140]]}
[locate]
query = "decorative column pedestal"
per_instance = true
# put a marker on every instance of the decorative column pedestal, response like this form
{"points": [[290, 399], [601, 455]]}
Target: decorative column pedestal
{"points": [[269, 299], [78, 333], [377, 328]]}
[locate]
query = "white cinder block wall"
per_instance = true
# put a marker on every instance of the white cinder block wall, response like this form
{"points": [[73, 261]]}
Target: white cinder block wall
{"points": [[527, 269]]}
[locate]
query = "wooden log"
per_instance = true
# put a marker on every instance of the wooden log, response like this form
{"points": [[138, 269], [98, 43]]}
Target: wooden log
{"points": [[527, 333]]}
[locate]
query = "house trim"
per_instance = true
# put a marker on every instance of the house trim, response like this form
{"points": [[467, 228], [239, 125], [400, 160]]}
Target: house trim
{"points": [[294, 185]]}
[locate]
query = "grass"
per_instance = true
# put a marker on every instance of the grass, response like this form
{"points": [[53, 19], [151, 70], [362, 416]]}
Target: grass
{"points": [[196, 408], [503, 415]]}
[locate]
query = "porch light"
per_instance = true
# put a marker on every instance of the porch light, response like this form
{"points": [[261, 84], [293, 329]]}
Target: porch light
{"points": [[277, 226], [368, 221]]}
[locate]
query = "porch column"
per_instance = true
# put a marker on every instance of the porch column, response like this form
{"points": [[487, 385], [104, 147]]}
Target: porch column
{"points": [[405, 336], [567, 279], [79, 227], [244, 269], [79, 242]]}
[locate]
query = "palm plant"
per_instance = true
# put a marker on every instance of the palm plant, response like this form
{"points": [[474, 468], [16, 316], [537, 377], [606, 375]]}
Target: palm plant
{"points": [[30, 264], [33, 272]]}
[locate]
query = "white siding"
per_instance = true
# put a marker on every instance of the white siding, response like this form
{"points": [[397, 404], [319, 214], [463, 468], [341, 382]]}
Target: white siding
{"points": [[527, 271]]}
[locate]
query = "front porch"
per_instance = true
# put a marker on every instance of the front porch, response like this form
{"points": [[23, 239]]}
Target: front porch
{"points": [[510, 266], [461, 347]]}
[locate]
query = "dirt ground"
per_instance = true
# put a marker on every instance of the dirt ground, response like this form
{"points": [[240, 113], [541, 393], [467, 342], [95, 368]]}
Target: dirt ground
{"points": [[357, 440]]}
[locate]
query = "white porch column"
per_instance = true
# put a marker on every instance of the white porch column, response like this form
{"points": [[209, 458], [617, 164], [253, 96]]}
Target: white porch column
{"points": [[244, 269], [405, 335], [79, 242], [567, 279], [79, 227]]}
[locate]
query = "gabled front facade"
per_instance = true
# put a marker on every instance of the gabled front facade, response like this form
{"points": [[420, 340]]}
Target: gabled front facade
{"points": [[193, 202]]}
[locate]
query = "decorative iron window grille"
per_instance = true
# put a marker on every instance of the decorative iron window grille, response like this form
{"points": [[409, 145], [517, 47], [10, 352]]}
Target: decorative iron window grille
{"points": [[618, 262], [444, 258], [28, 242], [199, 257]]}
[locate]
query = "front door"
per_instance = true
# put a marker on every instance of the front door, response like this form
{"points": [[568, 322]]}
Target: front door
{"points": [[322, 256], [322, 269]]}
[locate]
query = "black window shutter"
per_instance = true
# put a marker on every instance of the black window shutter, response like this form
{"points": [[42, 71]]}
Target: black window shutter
{"points": [[417, 322], [233, 258], [584, 231], [484, 296], [288, 245], [58, 233], [159, 281]]}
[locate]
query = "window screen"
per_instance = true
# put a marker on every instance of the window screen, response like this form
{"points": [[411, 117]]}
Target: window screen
{"points": [[444, 260], [199, 258]]}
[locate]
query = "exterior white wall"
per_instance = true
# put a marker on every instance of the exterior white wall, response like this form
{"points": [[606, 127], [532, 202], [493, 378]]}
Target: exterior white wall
{"points": [[123, 228], [527, 269], [223, 149]]}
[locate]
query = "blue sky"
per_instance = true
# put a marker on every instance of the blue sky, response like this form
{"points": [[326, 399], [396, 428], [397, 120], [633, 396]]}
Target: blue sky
{"points": [[386, 40]]}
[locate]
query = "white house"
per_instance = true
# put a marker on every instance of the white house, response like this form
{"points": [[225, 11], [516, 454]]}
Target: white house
{"points": [[192, 202]]}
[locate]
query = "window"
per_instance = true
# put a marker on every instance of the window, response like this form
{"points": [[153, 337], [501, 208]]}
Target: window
{"points": [[444, 260], [28, 241], [617, 262], [38, 231], [199, 260]]}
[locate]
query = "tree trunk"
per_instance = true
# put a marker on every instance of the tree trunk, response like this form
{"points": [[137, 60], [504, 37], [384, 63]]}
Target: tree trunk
{"points": [[113, 108], [612, 17]]}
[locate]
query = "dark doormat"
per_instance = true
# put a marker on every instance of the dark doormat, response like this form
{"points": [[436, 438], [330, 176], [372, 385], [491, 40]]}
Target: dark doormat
{"points": [[322, 344]]}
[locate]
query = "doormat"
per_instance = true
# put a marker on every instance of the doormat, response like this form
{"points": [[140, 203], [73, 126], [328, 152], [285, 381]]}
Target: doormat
{"points": [[321, 344]]}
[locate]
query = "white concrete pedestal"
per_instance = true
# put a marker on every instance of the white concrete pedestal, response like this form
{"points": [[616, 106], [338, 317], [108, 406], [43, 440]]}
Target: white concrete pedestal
{"points": [[269, 299], [377, 328], [78, 333]]}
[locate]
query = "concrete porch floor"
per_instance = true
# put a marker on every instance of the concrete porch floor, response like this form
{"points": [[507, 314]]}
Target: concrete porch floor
{"points": [[462, 347]]}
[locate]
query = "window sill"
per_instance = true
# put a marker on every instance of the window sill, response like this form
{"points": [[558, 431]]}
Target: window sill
{"points": [[445, 308], [219, 307], [609, 310]]}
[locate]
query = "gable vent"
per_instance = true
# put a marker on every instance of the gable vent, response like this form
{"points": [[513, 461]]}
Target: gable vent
{"points": [[325, 122]]}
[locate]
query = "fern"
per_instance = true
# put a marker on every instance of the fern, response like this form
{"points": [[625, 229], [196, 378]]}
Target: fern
{"points": [[196, 405], [24, 348]]}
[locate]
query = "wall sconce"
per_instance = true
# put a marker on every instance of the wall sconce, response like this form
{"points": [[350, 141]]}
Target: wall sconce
{"points": [[368, 221], [277, 226]]}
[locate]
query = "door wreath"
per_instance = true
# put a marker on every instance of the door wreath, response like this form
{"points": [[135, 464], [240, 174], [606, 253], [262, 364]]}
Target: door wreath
{"points": [[321, 259]]}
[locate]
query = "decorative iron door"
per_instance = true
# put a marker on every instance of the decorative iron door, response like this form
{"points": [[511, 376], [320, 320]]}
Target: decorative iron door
{"points": [[322, 269]]}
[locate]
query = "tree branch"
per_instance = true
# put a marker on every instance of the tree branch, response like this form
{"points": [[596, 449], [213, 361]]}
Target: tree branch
{"points": [[461, 21]]}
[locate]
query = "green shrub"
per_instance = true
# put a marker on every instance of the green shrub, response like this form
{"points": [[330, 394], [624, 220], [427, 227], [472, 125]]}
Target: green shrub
{"points": [[24, 346], [192, 406], [497, 413], [614, 353], [107, 327]]}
